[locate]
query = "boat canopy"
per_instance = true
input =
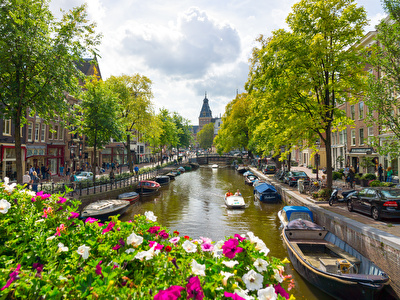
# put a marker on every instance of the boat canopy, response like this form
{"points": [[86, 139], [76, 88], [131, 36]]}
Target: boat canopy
{"points": [[298, 212], [303, 224], [263, 187]]}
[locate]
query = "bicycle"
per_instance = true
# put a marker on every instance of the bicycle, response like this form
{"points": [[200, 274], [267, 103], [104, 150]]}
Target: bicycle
{"points": [[314, 186]]}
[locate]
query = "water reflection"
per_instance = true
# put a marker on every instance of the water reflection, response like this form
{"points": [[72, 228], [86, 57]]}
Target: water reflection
{"points": [[193, 204]]}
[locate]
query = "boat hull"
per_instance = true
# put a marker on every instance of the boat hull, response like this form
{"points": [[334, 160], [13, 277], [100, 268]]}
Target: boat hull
{"points": [[131, 197], [235, 202], [119, 208], [148, 187], [163, 180]]}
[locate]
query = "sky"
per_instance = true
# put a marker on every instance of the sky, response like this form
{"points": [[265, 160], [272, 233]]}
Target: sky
{"points": [[187, 48]]}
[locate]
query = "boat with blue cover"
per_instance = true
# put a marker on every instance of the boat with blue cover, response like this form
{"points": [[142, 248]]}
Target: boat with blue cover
{"points": [[266, 192], [290, 213]]}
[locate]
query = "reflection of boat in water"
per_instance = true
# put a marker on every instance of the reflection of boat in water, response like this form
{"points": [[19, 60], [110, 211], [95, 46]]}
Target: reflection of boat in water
{"points": [[234, 212], [103, 209], [330, 264], [290, 213], [235, 202], [147, 187], [132, 197]]}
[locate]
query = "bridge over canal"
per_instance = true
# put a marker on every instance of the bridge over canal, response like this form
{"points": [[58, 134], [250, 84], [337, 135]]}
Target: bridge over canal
{"points": [[214, 159]]}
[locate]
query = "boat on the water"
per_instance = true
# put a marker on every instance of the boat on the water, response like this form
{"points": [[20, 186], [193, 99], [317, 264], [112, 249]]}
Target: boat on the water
{"points": [[247, 173], [131, 197], [330, 264], [234, 202], [103, 209], [290, 213], [163, 179], [249, 179], [241, 169], [214, 166], [171, 175], [147, 187], [266, 192]]}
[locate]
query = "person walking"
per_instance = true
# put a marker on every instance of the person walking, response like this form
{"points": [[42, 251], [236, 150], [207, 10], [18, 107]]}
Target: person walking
{"points": [[26, 179], [389, 174], [380, 172], [351, 176], [34, 182]]}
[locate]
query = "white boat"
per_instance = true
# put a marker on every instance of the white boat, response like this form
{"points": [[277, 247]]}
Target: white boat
{"points": [[290, 213], [235, 202], [214, 166], [103, 209]]}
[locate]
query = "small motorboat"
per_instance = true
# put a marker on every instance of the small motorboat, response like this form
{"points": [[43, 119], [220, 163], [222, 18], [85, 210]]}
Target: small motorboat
{"points": [[267, 193], [103, 209], [241, 169], [247, 173], [234, 202], [181, 169], [163, 179], [147, 187], [249, 179], [330, 264], [171, 175], [290, 213], [214, 166], [131, 197]]}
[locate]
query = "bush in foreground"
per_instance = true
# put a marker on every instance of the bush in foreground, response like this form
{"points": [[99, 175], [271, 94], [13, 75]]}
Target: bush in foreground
{"points": [[49, 253]]}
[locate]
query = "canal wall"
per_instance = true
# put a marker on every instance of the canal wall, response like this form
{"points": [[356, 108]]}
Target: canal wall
{"points": [[379, 246]]}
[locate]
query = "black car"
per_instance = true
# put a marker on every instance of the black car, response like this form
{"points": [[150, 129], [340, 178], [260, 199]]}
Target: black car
{"points": [[269, 169], [291, 177], [379, 202]]}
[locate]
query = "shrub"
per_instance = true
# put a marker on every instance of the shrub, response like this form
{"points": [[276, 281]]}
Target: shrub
{"points": [[48, 253], [375, 183], [369, 176], [337, 175]]}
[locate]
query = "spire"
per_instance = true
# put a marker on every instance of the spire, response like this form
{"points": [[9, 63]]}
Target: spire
{"points": [[205, 109]]}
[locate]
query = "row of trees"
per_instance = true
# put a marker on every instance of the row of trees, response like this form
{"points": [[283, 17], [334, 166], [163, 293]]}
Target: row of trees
{"points": [[299, 77], [38, 57]]}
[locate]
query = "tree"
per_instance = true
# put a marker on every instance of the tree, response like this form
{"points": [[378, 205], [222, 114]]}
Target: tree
{"points": [[168, 131], [306, 72], [183, 130], [136, 109], [205, 136], [97, 117], [234, 132], [37, 55]]}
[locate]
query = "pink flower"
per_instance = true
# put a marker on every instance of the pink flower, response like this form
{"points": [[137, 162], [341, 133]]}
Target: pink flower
{"points": [[163, 234], [171, 293], [193, 289], [62, 200], [153, 229], [279, 290], [233, 296], [206, 240], [99, 268], [116, 247], [207, 247], [174, 240], [47, 211], [59, 229], [13, 277], [43, 196], [73, 215], [239, 237], [230, 248], [90, 220], [157, 245], [109, 227], [100, 224]]}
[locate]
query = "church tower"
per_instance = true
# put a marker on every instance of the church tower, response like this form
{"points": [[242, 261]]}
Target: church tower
{"points": [[205, 113]]}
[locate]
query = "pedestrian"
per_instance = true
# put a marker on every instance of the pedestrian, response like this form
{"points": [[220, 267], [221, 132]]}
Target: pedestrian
{"points": [[389, 174], [136, 169], [73, 178], [43, 171], [26, 179], [31, 170], [112, 176], [380, 172], [68, 171], [351, 176], [61, 171], [108, 165], [34, 182]]}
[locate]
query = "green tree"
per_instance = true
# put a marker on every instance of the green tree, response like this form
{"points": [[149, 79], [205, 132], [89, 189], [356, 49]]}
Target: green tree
{"points": [[168, 131], [234, 132], [205, 136], [136, 109], [37, 55], [304, 73], [97, 116], [183, 130]]}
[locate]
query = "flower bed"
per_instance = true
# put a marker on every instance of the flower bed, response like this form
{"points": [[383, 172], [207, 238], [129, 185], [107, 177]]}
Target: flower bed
{"points": [[48, 252]]}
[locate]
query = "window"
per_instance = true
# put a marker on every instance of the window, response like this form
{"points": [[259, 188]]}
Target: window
{"points": [[50, 132], [37, 129], [43, 133], [361, 135], [61, 136], [7, 127], [30, 127], [353, 137], [370, 134], [55, 135], [345, 136], [352, 112], [361, 110]]}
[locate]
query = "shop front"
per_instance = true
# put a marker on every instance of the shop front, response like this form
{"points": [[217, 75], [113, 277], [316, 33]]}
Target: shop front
{"points": [[116, 155], [8, 162], [55, 158], [364, 160], [35, 156]]}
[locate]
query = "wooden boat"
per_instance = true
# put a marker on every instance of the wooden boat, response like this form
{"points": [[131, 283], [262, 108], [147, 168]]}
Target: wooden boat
{"points": [[249, 179], [163, 179], [235, 202], [147, 187], [266, 192], [131, 197], [330, 264], [103, 209], [290, 213]]}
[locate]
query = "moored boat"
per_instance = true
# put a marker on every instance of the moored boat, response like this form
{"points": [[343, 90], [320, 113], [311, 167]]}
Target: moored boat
{"points": [[103, 209], [290, 213], [214, 166], [330, 264], [266, 192], [171, 175], [147, 187], [235, 202], [163, 179], [249, 179], [131, 197], [241, 169]]}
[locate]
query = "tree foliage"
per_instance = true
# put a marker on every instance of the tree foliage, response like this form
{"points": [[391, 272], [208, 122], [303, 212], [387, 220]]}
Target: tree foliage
{"points": [[183, 130], [37, 61], [205, 136]]}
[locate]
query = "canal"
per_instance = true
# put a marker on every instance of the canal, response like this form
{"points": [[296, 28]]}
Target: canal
{"points": [[193, 204]]}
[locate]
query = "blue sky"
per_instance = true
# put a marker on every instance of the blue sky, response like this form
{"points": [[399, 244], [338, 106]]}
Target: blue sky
{"points": [[188, 47]]}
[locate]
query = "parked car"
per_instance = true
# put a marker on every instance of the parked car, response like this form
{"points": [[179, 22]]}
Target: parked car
{"points": [[84, 176], [378, 202], [269, 169], [291, 177]]}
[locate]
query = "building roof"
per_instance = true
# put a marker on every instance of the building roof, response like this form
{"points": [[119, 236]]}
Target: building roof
{"points": [[205, 109], [88, 65]]}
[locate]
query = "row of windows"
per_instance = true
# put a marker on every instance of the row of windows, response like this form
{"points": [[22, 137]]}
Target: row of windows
{"points": [[340, 138], [38, 133], [360, 111]]}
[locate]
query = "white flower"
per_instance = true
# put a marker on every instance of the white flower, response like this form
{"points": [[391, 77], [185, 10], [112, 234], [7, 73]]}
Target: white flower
{"points": [[149, 254], [218, 253], [261, 265], [230, 263], [150, 216], [4, 206], [253, 280], [278, 276], [10, 188], [218, 245], [189, 247], [6, 180], [243, 294], [267, 294], [198, 269], [226, 277], [62, 277], [260, 246], [252, 237], [50, 238], [134, 240], [84, 251], [29, 193], [62, 248], [39, 221], [130, 250]]}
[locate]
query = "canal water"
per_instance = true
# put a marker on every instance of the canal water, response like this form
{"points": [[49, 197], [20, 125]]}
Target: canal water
{"points": [[193, 204]]}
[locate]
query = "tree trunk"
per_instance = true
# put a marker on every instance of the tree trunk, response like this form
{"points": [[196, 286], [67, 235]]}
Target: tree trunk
{"points": [[128, 152], [18, 149], [328, 143], [95, 158]]}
